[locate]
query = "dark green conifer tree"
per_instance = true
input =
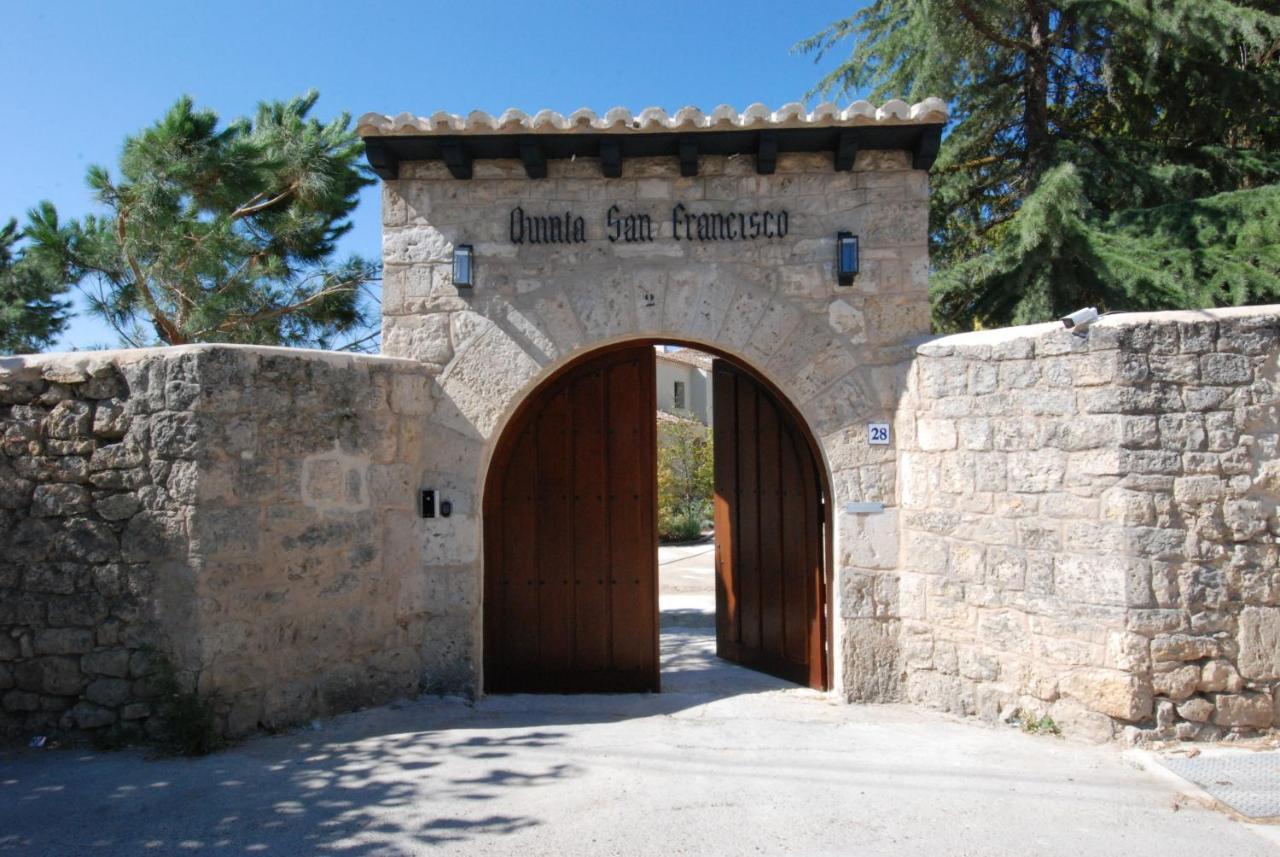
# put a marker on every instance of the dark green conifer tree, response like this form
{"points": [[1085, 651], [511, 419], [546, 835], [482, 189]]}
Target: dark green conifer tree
{"points": [[222, 234], [1118, 153], [31, 315]]}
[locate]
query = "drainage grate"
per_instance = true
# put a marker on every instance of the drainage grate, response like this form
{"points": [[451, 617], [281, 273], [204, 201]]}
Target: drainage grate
{"points": [[1248, 782]]}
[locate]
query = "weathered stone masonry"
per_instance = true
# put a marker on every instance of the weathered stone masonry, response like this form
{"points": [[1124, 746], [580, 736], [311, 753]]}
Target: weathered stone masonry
{"points": [[246, 513], [1089, 524]]}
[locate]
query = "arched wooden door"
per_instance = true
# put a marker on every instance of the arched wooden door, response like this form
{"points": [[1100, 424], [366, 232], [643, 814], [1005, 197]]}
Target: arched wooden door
{"points": [[770, 585], [571, 596]]}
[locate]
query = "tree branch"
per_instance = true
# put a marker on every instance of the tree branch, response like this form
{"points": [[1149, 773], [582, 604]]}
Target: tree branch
{"points": [[232, 321], [168, 329], [976, 21], [249, 209]]}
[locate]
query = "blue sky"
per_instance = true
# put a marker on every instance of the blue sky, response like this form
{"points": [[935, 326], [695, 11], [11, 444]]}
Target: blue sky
{"points": [[79, 76]]}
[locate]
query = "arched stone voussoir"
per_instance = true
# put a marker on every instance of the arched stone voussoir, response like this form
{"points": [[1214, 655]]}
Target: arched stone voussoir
{"points": [[483, 379]]}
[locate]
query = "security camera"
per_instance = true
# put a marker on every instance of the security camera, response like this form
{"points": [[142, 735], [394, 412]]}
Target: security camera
{"points": [[1080, 319]]}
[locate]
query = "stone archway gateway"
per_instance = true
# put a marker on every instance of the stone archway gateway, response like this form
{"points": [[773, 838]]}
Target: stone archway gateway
{"points": [[719, 230], [1022, 522]]}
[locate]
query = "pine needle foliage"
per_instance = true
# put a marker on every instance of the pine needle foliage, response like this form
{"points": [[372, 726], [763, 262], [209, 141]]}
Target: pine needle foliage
{"points": [[1117, 153], [222, 234], [31, 315]]}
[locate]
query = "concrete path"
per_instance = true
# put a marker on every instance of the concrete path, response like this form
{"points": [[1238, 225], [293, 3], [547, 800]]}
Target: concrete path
{"points": [[725, 761], [686, 584]]}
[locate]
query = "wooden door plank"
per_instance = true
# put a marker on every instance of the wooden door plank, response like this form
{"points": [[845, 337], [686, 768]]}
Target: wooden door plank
{"points": [[556, 533], [724, 452], [629, 498], [520, 572], [747, 569], [591, 525], [815, 572], [796, 509], [772, 559]]}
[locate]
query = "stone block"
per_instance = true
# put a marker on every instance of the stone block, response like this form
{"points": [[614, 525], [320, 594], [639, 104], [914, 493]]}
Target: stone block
{"points": [[67, 610], [1112, 692], [1090, 579], [1225, 369], [1220, 675], [50, 675], [87, 715], [117, 507], [59, 500], [1177, 683], [135, 711], [62, 641], [110, 420], [1243, 710], [1194, 490], [1246, 518], [112, 662], [935, 435], [20, 700], [59, 578], [110, 692], [85, 540], [1197, 710], [151, 536], [1077, 720], [1036, 471], [70, 420], [1183, 647], [968, 561], [117, 456], [1259, 641]]}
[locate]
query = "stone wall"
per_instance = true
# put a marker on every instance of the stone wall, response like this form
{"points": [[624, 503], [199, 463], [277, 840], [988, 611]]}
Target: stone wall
{"points": [[1089, 525], [248, 514]]}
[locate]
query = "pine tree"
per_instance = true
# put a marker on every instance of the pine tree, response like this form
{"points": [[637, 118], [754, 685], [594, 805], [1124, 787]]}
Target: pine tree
{"points": [[1117, 153], [31, 316], [222, 234]]}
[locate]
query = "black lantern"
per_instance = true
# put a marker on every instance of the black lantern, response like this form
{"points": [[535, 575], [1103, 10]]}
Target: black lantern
{"points": [[462, 266], [846, 258]]}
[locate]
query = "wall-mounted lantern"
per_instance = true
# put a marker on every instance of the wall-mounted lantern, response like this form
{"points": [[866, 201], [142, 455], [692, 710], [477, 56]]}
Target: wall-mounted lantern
{"points": [[463, 266], [846, 258]]}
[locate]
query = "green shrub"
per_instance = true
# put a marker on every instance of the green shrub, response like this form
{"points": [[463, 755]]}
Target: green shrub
{"points": [[191, 727], [680, 527], [686, 479]]}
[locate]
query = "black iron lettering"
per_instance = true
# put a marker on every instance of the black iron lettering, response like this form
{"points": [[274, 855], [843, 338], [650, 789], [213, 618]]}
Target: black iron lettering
{"points": [[517, 225]]}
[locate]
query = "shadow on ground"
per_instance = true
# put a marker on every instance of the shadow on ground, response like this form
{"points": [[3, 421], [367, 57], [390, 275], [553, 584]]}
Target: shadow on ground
{"points": [[346, 786]]}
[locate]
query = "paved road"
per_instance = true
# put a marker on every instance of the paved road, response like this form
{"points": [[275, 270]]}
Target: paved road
{"points": [[725, 761], [686, 584]]}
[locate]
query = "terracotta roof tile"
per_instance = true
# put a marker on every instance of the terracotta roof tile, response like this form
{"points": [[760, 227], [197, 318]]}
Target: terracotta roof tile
{"points": [[619, 120]]}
